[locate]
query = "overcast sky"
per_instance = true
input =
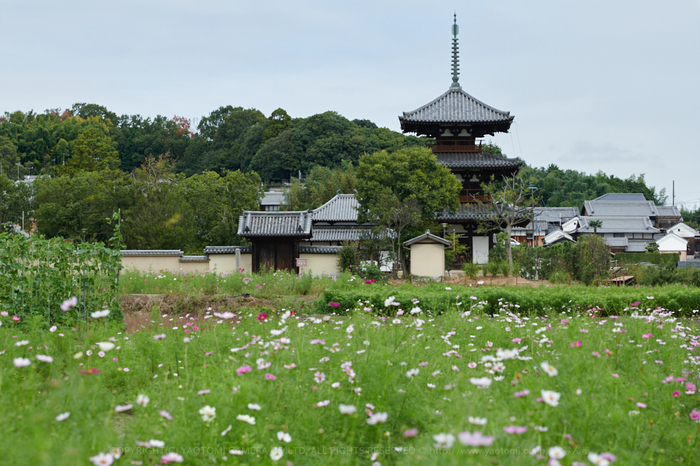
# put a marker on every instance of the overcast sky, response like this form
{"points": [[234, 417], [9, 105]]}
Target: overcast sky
{"points": [[609, 85]]}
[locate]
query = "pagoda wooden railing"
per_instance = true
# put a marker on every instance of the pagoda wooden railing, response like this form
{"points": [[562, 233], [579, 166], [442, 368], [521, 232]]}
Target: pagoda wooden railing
{"points": [[474, 197], [455, 146]]}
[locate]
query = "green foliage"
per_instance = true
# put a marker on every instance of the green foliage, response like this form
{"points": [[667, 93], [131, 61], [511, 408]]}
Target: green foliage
{"points": [[320, 185], [39, 274], [470, 269], [406, 174], [652, 247], [492, 268], [691, 217], [349, 257], [665, 274], [535, 301], [592, 259], [373, 272], [651, 257], [567, 188]]}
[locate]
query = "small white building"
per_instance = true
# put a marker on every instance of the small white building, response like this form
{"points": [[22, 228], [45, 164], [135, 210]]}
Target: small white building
{"points": [[673, 243], [428, 255]]}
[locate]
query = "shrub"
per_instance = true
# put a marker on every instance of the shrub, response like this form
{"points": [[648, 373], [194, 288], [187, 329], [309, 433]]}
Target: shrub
{"points": [[492, 268], [373, 272], [470, 269], [348, 256]]}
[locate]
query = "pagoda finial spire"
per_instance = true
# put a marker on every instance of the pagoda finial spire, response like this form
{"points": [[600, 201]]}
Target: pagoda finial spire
{"points": [[455, 56]]}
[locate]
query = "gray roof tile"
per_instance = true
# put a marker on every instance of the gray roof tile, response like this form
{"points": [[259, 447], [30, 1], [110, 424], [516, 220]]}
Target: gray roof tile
{"points": [[617, 225], [342, 208], [456, 106], [427, 237], [270, 224], [193, 258], [476, 160], [319, 249], [151, 252], [554, 214], [273, 198], [227, 249], [466, 212], [621, 208]]}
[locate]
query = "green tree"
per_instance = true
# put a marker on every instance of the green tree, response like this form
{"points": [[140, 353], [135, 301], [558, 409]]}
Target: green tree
{"points": [[511, 204], [320, 185], [595, 224], [407, 173], [92, 151]]}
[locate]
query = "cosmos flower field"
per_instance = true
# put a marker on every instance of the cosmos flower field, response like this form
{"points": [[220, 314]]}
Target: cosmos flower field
{"points": [[376, 385]]}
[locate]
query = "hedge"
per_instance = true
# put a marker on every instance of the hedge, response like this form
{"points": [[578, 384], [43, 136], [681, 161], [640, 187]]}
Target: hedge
{"points": [[652, 257], [537, 301]]}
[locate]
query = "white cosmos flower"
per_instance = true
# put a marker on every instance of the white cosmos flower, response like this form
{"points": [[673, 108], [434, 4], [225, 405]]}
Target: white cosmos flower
{"points": [[598, 460], [556, 453], [284, 437], [22, 343], [482, 382], [278, 332], [416, 310], [122, 408], [444, 440], [347, 409], [21, 362], [507, 354], [254, 406], [549, 369], [98, 314], [156, 443], [106, 345], [105, 459], [142, 400], [412, 372], [245, 418], [551, 397], [276, 453], [62, 416], [208, 413], [43, 358], [377, 418], [479, 421], [53, 328]]}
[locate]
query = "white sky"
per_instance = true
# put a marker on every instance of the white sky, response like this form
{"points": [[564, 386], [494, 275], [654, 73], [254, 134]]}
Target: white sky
{"points": [[594, 85]]}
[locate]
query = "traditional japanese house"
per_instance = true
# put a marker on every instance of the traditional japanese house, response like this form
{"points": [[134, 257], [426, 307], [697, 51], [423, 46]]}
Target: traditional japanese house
{"points": [[457, 122]]}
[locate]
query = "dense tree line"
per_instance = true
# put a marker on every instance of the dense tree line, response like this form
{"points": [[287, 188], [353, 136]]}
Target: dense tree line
{"points": [[180, 186]]}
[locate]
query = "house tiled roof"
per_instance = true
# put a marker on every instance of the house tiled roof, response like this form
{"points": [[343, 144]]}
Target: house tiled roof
{"points": [[319, 249], [621, 197], [342, 208], [151, 252], [617, 225], [337, 234], [456, 106], [555, 214], [621, 208], [476, 160], [270, 224], [273, 198], [227, 249], [668, 211]]}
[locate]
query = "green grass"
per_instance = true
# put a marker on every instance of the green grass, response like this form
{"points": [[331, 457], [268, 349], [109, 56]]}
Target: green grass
{"points": [[171, 372]]}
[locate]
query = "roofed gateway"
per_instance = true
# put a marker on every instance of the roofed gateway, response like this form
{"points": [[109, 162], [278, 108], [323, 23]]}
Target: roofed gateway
{"points": [[457, 121]]}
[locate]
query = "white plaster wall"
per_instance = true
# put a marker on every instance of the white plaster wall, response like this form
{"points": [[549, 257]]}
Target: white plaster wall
{"points": [[226, 263], [320, 264], [428, 260]]}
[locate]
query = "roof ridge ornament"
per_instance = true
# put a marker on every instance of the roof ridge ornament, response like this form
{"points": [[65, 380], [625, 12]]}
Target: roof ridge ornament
{"points": [[455, 55]]}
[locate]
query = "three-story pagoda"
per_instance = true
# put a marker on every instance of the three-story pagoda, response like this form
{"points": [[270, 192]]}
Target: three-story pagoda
{"points": [[457, 122]]}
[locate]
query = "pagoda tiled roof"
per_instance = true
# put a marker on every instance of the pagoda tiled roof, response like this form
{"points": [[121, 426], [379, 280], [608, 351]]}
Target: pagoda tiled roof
{"points": [[476, 160], [456, 106], [466, 212]]}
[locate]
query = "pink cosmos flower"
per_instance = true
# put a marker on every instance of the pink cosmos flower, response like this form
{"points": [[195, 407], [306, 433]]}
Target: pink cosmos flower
{"points": [[243, 369], [596, 354], [471, 365], [647, 335], [608, 456], [423, 364], [203, 392], [695, 415], [676, 394], [333, 304], [269, 376], [262, 316], [369, 282], [515, 429], [413, 432], [690, 388], [608, 352], [517, 340], [90, 371], [615, 375], [15, 318], [576, 344], [476, 439], [68, 304], [171, 457], [521, 394], [165, 414], [636, 303], [318, 342], [641, 405]]}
